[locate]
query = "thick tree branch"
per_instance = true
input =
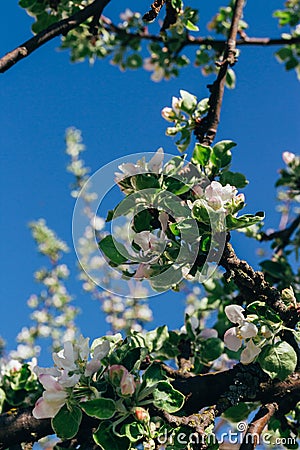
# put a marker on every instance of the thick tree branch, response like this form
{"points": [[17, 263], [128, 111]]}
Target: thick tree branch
{"points": [[252, 285], [201, 391], [207, 127], [256, 427], [60, 28]]}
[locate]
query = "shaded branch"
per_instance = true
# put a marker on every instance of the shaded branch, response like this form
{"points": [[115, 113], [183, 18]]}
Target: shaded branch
{"points": [[59, 28], [256, 427]]}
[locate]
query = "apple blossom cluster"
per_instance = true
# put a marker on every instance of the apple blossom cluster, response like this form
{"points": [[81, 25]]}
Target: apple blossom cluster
{"points": [[245, 331], [72, 364], [259, 333], [165, 199]]}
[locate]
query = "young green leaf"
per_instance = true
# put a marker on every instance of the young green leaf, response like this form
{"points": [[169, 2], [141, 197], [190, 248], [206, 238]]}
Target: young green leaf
{"points": [[167, 398], [108, 247], [106, 439], [278, 360], [66, 422], [102, 408]]}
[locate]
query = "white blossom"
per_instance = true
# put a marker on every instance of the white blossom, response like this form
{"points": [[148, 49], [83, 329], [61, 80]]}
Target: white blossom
{"points": [[250, 352], [288, 157]]}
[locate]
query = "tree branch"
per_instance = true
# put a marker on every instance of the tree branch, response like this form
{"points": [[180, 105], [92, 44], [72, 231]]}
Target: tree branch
{"points": [[60, 28], [207, 127], [282, 235], [94, 10], [252, 284], [18, 426], [256, 427]]}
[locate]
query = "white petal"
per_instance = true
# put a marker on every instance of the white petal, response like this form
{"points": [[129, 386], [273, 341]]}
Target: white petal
{"points": [[235, 314], [92, 367], [44, 409], [143, 240], [101, 350], [208, 333], [155, 163], [83, 347], [46, 371], [50, 383], [248, 330], [231, 340], [163, 218], [69, 381], [249, 353]]}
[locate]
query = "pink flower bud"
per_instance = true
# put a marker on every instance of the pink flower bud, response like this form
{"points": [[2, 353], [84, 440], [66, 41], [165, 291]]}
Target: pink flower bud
{"points": [[141, 414], [127, 384], [120, 377], [116, 373]]}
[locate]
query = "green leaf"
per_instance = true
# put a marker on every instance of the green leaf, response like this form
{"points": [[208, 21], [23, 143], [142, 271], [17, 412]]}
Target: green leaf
{"points": [[233, 223], [222, 147], [201, 154], [284, 53], [239, 412], [211, 349], [221, 155], [107, 440], [155, 339], [278, 360], [134, 61], [134, 431], [177, 4], [133, 358], [66, 422], [190, 26], [230, 78], [108, 247], [145, 181], [102, 408], [167, 398], [153, 374], [234, 179]]}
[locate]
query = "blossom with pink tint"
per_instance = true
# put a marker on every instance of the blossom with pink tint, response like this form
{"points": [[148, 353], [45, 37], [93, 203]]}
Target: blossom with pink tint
{"points": [[250, 352], [120, 377], [234, 337], [54, 397], [288, 157]]}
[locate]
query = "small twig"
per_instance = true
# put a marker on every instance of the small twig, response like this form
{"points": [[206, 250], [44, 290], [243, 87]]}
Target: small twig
{"points": [[61, 27], [207, 128], [256, 427], [282, 235]]}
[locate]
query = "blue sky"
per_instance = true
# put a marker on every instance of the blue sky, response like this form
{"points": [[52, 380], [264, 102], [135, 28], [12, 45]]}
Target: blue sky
{"points": [[119, 114]]}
